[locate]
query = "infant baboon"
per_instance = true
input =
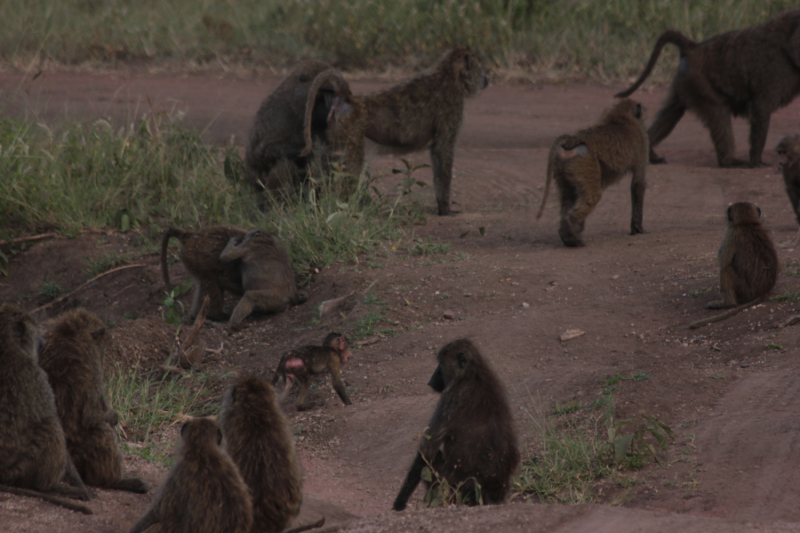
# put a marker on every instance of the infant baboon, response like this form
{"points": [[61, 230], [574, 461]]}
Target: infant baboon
{"points": [[586, 163], [33, 453], [750, 72], [73, 360], [425, 111], [267, 275], [470, 439], [200, 255], [789, 153], [256, 436], [308, 361], [203, 492], [288, 122]]}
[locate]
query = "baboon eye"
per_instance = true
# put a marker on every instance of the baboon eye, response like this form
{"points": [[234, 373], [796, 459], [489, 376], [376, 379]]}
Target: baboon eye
{"points": [[462, 359]]}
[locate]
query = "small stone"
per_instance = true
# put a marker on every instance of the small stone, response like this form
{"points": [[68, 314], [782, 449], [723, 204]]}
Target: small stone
{"points": [[525, 305], [571, 334], [449, 315]]}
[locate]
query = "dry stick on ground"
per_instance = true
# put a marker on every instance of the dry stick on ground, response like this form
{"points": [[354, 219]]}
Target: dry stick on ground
{"points": [[47, 497], [106, 273], [32, 238], [174, 362]]}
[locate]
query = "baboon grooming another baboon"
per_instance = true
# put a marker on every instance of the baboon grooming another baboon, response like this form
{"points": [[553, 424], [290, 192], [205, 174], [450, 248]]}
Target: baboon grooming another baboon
{"points": [[33, 452], [748, 262], [425, 111], [470, 439], [267, 275], [750, 72], [789, 153], [73, 360], [256, 436], [200, 255], [288, 122], [308, 361], [584, 164], [204, 491]]}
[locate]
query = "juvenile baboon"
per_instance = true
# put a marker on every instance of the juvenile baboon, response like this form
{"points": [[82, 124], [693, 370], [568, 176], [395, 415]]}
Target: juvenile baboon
{"points": [[789, 153], [750, 72], [204, 491], [584, 164], [470, 439], [423, 112], [73, 360], [200, 255], [33, 453], [267, 276], [308, 361], [748, 262], [289, 121], [256, 436]]}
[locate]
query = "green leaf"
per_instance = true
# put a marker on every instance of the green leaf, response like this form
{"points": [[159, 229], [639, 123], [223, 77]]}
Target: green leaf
{"points": [[426, 475], [621, 447]]}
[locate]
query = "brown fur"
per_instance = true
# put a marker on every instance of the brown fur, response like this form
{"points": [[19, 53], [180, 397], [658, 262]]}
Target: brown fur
{"points": [[789, 153], [423, 112], [33, 452], [203, 492], [470, 438], [256, 436], [73, 360], [584, 164], [750, 72], [289, 121], [200, 255], [267, 276], [310, 361]]}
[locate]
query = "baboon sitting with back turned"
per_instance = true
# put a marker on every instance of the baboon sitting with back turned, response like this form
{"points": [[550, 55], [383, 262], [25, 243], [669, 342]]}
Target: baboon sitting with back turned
{"points": [[585, 163], [200, 255], [470, 439], [789, 154], [73, 360], [750, 72], [204, 491], [748, 263], [425, 111], [267, 275]]}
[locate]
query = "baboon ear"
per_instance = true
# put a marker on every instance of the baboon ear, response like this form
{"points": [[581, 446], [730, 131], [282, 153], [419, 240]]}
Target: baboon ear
{"points": [[462, 359], [183, 428], [730, 219], [99, 331], [759, 211], [638, 110]]}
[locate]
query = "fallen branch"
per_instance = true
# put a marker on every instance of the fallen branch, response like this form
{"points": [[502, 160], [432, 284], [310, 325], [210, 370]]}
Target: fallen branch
{"points": [[181, 356], [32, 238], [736, 310], [106, 273]]}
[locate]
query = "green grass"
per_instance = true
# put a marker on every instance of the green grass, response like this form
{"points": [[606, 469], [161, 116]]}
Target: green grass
{"points": [[786, 296]]}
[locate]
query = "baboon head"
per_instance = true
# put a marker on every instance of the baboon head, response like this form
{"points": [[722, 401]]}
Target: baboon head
{"points": [[244, 390], [789, 151], [466, 68], [629, 107], [339, 343], [20, 327], [200, 432], [458, 360], [744, 213], [80, 322]]}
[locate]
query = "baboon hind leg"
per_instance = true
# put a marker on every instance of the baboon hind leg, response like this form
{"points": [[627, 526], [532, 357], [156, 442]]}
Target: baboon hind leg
{"points": [[266, 301], [729, 280], [666, 119], [638, 186], [717, 118], [442, 163], [759, 127]]}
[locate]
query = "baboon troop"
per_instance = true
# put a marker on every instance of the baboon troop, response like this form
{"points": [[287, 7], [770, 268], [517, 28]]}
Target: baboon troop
{"points": [[585, 163], [789, 154], [470, 443], [303, 363], [425, 111], [750, 72]]}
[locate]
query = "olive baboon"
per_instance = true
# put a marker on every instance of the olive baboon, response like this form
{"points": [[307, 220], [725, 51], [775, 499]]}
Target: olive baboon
{"points": [[267, 276], [308, 361], [73, 360], [33, 452], [748, 263], [470, 439], [584, 164], [200, 256], [204, 491], [256, 436], [288, 122], [750, 72], [423, 112], [789, 153]]}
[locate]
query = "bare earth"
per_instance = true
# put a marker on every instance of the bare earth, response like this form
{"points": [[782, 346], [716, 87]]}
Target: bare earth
{"points": [[732, 402]]}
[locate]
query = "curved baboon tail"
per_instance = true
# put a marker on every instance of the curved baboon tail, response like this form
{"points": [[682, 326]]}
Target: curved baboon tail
{"points": [[670, 36], [727, 314], [342, 89], [171, 232], [550, 169]]}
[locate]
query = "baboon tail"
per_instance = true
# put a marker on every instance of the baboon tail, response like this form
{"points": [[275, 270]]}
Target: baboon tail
{"points": [[727, 314], [342, 88], [683, 43], [550, 169], [171, 232]]}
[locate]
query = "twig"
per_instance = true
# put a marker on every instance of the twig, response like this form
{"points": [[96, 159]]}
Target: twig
{"points": [[32, 238], [106, 273], [178, 356]]}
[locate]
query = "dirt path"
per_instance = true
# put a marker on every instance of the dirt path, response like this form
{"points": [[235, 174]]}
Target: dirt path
{"points": [[731, 401]]}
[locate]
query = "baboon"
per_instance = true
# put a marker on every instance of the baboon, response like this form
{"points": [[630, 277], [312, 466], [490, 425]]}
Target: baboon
{"points": [[33, 452], [200, 255], [748, 262], [204, 491], [750, 72], [73, 360], [289, 121], [789, 153], [584, 164], [308, 361], [425, 111], [256, 436], [267, 276], [470, 440]]}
